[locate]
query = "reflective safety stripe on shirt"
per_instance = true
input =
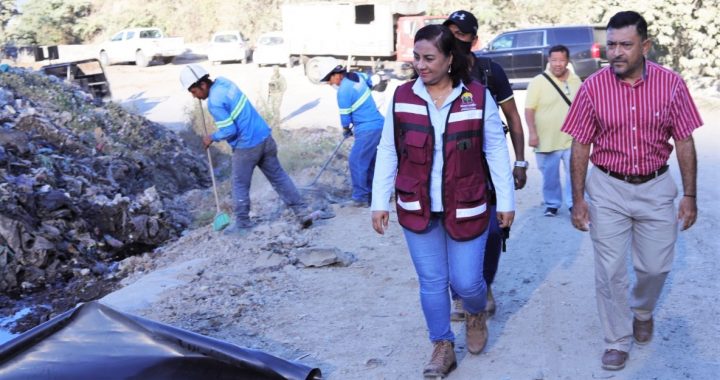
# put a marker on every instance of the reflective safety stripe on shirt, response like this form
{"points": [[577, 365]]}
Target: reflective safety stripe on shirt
{"points": [[357, 104], [234, 114]]}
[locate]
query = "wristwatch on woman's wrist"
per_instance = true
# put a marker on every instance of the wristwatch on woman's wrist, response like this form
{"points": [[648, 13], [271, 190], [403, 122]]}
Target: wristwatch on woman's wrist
{"points": [[521, 164]]}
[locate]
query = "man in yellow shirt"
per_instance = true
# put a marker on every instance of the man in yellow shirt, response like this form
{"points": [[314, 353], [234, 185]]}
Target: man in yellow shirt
{"points": [[548, 102]]}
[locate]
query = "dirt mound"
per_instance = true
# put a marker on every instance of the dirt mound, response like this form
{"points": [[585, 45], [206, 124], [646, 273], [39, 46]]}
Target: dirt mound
{"points": [[83, 185]]}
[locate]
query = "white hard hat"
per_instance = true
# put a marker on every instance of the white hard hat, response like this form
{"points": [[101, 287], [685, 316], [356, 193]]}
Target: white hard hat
{"points": [[326, 67], [190, 74]]}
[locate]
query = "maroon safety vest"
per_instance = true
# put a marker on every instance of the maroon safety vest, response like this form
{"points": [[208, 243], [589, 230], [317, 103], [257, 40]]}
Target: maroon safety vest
{"points": [[465, 205]]}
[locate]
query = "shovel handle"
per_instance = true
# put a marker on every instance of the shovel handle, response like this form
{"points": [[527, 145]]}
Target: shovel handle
{"points": [[212, 173], [327, 162]]}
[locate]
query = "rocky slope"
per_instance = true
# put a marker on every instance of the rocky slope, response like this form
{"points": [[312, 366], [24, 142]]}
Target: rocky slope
{"points": [[83, 185]]}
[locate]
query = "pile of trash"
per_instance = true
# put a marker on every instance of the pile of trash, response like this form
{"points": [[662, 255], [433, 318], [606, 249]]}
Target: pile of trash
{"points": [[82, 185]]}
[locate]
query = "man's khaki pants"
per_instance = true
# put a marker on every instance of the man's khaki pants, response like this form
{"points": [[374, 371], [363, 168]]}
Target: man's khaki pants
{"points": [[640, 218]]}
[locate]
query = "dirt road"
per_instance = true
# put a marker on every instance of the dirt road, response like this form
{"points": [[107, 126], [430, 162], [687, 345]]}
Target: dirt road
{"points": [[364, 321]]}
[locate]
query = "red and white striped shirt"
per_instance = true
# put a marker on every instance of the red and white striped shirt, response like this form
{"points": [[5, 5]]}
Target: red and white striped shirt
{"points": [[630, 125]]}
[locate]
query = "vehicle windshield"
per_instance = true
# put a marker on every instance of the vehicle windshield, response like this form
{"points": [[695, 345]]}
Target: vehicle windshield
{"points": [[270, 40], [152, 33], [226, 38]]}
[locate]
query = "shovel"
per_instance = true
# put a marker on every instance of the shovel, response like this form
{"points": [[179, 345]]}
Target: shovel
{"points": [[327, 162], [222, 219]]}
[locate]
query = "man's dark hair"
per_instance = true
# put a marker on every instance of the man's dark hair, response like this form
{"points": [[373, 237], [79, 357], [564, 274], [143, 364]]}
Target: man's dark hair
{"points": [[628, 18], [444, 40], [205, 79], [559, 48]]}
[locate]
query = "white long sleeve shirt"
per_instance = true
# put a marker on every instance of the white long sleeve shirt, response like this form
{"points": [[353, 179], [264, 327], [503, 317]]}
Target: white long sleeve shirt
{"points": [[494, 146]]}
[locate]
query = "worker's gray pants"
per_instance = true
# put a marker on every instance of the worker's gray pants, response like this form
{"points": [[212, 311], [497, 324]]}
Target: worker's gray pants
{"points": [[264, 156]]}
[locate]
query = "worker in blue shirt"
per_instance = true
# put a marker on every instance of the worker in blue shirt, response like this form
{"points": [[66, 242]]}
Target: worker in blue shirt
{"points": [[359, 117], [240, 125]]}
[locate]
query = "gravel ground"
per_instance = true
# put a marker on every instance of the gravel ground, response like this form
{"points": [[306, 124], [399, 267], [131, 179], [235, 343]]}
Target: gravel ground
{"points": [[364, 321]]}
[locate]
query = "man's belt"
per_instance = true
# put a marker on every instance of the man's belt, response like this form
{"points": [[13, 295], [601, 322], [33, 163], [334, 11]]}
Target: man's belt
{"points": [[634, 179]]}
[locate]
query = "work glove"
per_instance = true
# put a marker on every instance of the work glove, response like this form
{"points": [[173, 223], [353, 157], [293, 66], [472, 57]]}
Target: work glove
{"points": [[347, 132]]}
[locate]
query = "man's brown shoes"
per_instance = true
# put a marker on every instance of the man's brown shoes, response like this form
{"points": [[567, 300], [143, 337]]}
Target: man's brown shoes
{"points": [[458, 313], [476, 332], [490, 306], [642, 331], [614, 359]]}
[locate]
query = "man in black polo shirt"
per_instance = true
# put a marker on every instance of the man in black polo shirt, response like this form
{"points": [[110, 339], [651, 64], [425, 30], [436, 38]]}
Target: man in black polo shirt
{"points": [[464, 26]]}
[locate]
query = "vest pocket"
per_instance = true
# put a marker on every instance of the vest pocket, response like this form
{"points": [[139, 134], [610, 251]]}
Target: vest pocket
{"points": [[468, 160], [415, 147], [408, 194], [470, 203]]}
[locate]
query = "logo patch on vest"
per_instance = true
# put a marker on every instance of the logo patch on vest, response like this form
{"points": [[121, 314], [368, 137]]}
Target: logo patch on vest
{"points": [[467, 102]]}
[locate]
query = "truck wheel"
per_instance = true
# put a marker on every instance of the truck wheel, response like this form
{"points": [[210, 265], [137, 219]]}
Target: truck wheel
{"points": [[403, 71], [313, 67], [140, 59], [167, 60], [104, 60]]}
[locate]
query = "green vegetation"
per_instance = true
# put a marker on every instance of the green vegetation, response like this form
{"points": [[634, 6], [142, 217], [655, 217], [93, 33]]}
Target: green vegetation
{"points": [[7, 11], [50, 22]]}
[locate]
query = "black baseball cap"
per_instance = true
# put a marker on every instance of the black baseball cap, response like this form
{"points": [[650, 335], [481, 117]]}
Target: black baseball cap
{"points": [[465, 21]]}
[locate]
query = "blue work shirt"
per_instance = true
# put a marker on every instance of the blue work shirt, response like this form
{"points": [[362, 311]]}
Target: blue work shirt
{"points": [[357, 106], [237, 120]]}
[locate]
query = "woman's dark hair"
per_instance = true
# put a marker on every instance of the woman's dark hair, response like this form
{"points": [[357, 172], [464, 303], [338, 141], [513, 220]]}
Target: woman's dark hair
{"points": [[444, 40], [627, 18]]}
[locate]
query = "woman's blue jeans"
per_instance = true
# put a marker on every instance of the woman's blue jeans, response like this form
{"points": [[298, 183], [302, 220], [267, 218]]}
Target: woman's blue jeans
{"points": [[441, 261]]}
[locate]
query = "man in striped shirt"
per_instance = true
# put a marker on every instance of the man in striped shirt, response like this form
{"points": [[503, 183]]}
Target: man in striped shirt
{"points": [[250, 138], [628, 112]]}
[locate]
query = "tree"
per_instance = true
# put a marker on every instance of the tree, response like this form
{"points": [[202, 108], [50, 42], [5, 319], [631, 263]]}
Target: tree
{"points": [[8, 9], [51, 22]]}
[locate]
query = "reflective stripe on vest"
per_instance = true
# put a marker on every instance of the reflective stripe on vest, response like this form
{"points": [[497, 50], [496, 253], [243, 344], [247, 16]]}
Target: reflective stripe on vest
{"points": [[464, 200]]}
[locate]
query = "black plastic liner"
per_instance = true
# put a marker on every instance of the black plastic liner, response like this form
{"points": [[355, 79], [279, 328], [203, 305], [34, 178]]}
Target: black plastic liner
{"points": [[94, 341]]}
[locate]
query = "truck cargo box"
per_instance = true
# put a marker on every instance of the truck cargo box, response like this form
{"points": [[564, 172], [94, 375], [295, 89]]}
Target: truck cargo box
{"points": [[358, 29]]}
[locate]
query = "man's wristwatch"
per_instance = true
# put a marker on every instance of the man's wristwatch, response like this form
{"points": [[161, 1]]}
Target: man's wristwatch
{"points": [[521, 164]]}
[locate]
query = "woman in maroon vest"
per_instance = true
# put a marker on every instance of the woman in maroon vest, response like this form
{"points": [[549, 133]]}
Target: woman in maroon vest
{"points": [[430, 154]]}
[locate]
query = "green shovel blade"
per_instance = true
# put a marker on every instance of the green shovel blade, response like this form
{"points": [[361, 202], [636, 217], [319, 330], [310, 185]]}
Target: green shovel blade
{"points": [[221, 221]]}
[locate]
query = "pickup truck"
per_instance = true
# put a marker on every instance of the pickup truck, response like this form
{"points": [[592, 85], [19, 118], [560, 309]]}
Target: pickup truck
{"points": [[140, 45]]}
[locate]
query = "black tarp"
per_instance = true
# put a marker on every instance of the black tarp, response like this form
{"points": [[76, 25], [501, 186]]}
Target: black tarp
{"points": [[94, 341]]}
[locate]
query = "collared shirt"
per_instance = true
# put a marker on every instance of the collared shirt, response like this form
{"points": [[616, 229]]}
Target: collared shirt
{"points": [[629, 125], [357, 106], [550, 109], [494, 146], [236, 119]]}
